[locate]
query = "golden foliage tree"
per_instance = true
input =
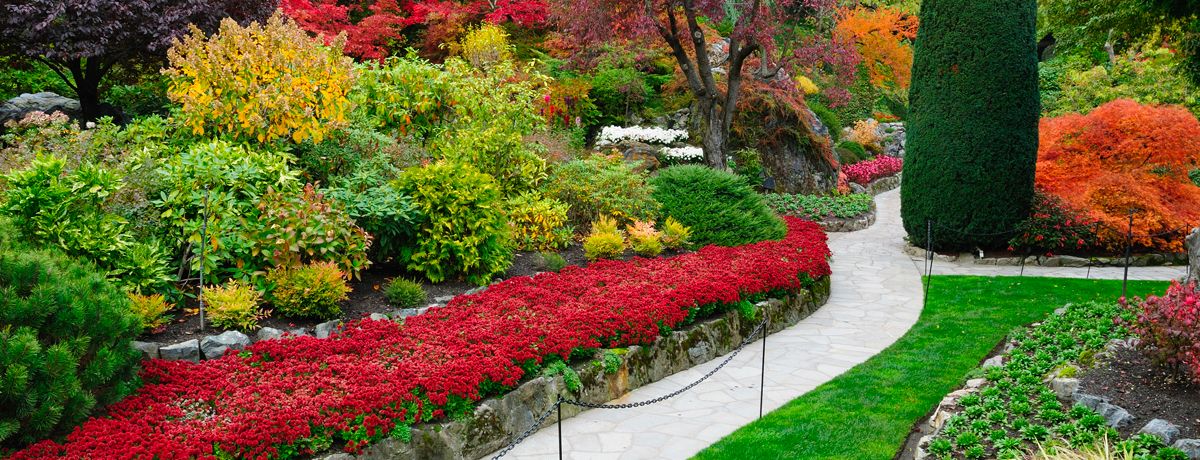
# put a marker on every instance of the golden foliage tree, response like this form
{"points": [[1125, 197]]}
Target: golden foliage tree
{"points": [[260, 82]]}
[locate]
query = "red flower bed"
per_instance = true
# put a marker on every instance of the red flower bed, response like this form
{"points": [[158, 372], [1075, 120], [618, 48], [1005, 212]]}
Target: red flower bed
{"points": [[866, 171], [1169, 327], [280, 399]]}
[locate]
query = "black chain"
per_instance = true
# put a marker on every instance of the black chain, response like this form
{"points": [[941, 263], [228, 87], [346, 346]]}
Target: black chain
{"points": [[680, 391], [529, 431]]}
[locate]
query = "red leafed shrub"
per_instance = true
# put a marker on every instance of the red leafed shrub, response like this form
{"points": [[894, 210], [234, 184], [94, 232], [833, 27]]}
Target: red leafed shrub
{"points": [[864, 172], [280, 398], [1169, 327], [1125, 156]]}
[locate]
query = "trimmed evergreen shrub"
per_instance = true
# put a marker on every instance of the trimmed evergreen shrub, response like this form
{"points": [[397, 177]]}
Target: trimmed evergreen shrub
{"points": [[405, 293], [972, 122], [718, 206], [65, 336]]}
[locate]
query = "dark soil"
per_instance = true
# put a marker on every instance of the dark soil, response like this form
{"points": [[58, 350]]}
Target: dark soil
{"points": [[366, 295], [1147, 390]]}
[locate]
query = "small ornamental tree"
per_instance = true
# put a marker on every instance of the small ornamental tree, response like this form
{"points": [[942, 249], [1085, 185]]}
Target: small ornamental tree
{"points": [[973, 123], [81, 40], [754, 46]]}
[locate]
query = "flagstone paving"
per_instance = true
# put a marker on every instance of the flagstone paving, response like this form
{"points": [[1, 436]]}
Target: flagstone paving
{"points": [[876, 297]]}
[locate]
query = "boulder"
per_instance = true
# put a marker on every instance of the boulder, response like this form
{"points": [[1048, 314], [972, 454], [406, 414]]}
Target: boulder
{"points": [[645, 155], [893, 137], [1117, 417], [1164, 430], [1191, 447], [1064, 388], [268, 333], [17, 107], [149, 349], [214, 346], [1089, 401], [795, 155], [995, 361], [378, 317], [184, 351], [324, 330]]}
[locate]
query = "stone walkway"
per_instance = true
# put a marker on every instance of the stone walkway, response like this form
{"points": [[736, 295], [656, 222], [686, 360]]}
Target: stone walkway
{"points": [[876, 297]]}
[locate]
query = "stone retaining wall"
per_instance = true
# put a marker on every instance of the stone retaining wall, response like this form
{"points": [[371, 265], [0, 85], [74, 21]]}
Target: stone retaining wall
{"points": [[497, 421]]}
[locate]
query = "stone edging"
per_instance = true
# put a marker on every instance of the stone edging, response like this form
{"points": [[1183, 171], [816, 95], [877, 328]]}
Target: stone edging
{"points": [[498, 420], [883, 184], [1143, 260], [1067, 389]]}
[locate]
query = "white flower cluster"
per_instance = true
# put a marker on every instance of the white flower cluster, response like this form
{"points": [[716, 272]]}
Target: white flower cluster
{"points": [[686, 153], [610, 135]]}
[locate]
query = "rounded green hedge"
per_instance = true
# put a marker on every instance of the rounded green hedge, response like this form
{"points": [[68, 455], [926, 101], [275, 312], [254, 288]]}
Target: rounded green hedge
{"points": [[719, 207], [65, 336], [972, 122]]}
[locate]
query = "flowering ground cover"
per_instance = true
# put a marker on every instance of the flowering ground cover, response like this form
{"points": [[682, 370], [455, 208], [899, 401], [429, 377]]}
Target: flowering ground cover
{"points": [[866, 171], [281, 399]]}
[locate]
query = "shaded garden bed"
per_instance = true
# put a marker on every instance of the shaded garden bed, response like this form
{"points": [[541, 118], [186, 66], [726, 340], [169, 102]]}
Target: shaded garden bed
{"points": [[1133, 381]]}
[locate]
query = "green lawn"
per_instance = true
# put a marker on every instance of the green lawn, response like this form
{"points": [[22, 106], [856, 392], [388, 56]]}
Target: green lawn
{"points": [[867, 412]]}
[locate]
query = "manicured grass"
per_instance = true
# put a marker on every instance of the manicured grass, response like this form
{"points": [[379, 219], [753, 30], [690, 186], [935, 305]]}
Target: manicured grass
{"points": [[866, 413]]}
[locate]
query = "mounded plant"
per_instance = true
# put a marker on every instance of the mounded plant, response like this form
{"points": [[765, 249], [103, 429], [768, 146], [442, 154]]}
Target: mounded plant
{"points": [[718, 207], [675, 235], [644, 239], [972, 122], [233, 305], [605, 241], [65, 349], [405, 293], [151, 311], [601, 185], [464, 231], [538, 223], [310, 291]]}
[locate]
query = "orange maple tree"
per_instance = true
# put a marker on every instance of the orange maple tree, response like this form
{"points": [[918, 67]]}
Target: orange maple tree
{"points": [[884, 36], [1123, 157]]}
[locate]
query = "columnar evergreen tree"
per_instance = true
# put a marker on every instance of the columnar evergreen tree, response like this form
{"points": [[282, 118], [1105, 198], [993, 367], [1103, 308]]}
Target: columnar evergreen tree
{"points": [[973, 122]]}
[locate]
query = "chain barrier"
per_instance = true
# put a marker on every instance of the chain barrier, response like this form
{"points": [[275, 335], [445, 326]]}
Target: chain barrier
{"points": [[558, 404]]}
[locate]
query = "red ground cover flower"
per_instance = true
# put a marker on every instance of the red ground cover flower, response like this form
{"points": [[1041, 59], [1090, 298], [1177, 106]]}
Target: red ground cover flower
{"points": [[866, 171], [283, 398]]}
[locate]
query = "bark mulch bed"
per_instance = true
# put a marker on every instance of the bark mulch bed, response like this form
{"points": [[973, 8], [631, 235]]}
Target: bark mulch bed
{"points": [[1147, 390]]}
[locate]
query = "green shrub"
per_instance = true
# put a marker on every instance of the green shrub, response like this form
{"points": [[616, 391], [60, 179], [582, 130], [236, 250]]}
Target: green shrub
{"points": [[297, 228], [1195, 176], [65, 349], [553, 261], [498, 151], [601, 186], [827, 118], [850, 152], [19, 75], [311, 291], [538, 223], [973, 129], [619, 93], [718, 206], [747, 164], [234, 305], [605, 241], [151, 311], [817, 207], [463, 231], [1150, 76], [675, 234], [405, 293], [369, 198]]}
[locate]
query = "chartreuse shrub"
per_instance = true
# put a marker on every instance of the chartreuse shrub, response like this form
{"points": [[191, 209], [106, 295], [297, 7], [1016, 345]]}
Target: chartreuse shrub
{"points": [[718, 206], [605, 241], [498, 151], [601, 186], [150, 310], [404, 293], [972, 122], [463, 231], [538, 223], [310, 291], [65, 349], [260, 82], [485, 46], [644, 239], [233, 305], [675, 234]]}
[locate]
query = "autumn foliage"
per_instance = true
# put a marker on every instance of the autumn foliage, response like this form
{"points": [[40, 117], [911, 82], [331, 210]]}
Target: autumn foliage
{"points": [[884, 36], [1122, 157]]}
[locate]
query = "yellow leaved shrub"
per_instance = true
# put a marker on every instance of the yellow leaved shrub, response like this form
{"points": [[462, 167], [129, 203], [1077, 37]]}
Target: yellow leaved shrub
{"points": [[260, 82]]}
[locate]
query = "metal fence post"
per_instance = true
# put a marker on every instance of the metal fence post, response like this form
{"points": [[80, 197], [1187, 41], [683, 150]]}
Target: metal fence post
{"points": [[1128, 254], [762, 382], [560, 449]]}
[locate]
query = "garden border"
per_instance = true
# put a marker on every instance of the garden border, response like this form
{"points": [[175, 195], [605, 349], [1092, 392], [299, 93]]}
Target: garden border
{"points": [[497, 421], [865, 220]]}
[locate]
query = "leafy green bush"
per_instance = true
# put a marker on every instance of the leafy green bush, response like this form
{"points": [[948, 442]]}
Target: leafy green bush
{"points": [[19, 76], [973, 131], [747, 164], [601, 186], [619, 93], [605, 241], [404, 293], [463, 231], [1148, 77], [644, 239], [538, 223], [234, 305], [311, 291], [718, 206], [497, 151], [291, 229], [65, 349], [850, 152], [377, 206], [817, 207]]}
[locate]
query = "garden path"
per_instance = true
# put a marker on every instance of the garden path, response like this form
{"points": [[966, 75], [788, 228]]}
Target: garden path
{"points": [[876, 297]]}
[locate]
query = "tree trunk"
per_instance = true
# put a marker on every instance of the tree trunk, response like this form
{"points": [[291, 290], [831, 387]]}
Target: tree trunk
{"points": [[716, 135]]}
